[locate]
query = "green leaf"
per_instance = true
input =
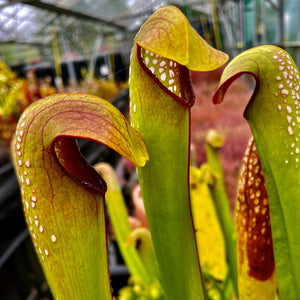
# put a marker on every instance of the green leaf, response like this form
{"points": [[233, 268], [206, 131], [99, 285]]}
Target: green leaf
{"points": [[273, 114], [62, 195], [161, 95]]}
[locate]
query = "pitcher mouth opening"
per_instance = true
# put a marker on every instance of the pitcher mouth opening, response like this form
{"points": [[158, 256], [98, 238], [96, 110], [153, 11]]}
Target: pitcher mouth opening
{"points": [[67, 156], [169, 75]]}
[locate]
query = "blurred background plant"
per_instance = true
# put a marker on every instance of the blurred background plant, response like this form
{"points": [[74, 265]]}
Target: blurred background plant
{"points": [[12, 102], [16, 94], [104, 88]]}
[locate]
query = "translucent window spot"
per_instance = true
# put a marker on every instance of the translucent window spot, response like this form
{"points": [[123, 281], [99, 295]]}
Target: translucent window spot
{"points": [[284, 92], [265, 201], [163, 63], [290, 130], [288, 109], [53, 238]]}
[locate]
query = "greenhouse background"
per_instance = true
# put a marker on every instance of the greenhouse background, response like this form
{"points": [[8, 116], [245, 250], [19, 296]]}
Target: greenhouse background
{"points": [[49, 31], [84, 46]]}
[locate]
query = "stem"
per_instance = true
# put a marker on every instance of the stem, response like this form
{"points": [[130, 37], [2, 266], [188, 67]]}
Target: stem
{"points": [[119, 218], [221, 201]]}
